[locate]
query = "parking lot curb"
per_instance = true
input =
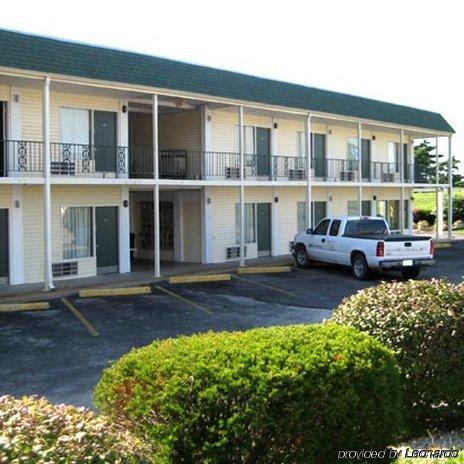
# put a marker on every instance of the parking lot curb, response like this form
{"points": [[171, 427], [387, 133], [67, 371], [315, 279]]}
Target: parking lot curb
{"points": [[263, 269], [191, 279], [123, 291], [443, 245], [17, 307]]}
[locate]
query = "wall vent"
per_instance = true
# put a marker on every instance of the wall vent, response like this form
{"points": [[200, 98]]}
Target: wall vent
{"points": [[234, 252], [68, 268]]}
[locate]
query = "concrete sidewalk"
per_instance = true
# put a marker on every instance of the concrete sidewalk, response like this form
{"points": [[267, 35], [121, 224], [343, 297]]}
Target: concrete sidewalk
{"points": [[144, 275]]}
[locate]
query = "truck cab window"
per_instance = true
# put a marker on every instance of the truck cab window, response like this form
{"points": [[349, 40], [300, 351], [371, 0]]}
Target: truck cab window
{"points": [[322, 227], [335, 227]]}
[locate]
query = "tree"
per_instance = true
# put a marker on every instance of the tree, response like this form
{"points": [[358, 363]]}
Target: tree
{"points": [[425, 166]]}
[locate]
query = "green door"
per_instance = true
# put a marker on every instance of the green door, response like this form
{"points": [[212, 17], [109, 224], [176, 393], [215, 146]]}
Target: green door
{"points": [[366, 159], [264, 228], [319, 155], [106, 222], [263, 151], [4, 246], [105, 141]]}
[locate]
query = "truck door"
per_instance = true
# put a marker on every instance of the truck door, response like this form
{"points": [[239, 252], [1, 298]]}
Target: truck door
{"points": [[318, 239], [332, 240]]}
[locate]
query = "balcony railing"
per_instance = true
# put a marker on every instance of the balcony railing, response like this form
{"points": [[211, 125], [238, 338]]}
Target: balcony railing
{"points": [[335, 170], [19, 158], [384, 172], [81, 160]]}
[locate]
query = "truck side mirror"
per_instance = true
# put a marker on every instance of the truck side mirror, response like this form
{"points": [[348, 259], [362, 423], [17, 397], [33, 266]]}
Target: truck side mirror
{"points": [[309, 231]]}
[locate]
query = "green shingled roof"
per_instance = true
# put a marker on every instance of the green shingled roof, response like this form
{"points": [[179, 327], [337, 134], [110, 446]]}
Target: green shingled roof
{"points": [[36, 53]]}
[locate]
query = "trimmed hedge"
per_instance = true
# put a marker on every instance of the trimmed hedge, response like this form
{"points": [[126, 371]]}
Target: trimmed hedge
{"points": [[424, 215], [423, 323], [34, 431], [281, 394]]}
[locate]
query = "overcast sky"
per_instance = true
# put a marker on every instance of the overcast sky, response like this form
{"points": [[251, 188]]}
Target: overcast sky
{"points": [[402, 51]]}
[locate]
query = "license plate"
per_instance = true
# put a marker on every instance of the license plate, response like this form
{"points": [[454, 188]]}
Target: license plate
{"points": [[407, 262]]}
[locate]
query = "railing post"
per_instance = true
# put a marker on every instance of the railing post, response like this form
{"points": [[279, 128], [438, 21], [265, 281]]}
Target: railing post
{"points": [[156, 217], [242, 186], [308, 146], [450, 188], [48, 275]]}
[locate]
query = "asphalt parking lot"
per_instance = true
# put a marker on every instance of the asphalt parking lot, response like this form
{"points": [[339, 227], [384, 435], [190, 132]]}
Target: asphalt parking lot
{"points": [[52, 353]]}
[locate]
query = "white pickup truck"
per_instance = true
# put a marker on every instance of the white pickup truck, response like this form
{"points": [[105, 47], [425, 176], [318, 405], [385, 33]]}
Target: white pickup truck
{"points": [[364, 244]]}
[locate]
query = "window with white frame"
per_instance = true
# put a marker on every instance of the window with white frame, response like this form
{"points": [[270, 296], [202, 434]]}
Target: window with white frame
{"points": [[319, 212], [75, 126], [249, 139], [301, 143], [352, 149], [393, 154], [250, 223], [76, 232]]}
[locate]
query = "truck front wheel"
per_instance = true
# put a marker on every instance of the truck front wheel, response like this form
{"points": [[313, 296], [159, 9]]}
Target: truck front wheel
{"points": [[301, 257], [359, 267], [410, 273]]}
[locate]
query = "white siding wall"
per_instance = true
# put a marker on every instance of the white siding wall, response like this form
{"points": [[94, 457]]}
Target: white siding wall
{"points": [[4, 92], [62, 196], [224, 125], [191, 227], [5, 196]]}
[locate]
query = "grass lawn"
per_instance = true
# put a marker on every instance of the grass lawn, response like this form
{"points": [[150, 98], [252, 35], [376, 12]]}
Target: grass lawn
{"points": [[426, 200]]}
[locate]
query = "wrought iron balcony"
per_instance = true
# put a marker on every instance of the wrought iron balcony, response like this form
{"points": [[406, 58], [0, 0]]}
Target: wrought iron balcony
{"points": [[20, 157], [81, 160], [335, 170], [385, 172]]}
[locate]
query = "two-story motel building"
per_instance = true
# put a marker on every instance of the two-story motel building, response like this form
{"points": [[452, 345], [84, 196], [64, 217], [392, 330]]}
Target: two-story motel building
{"points": [[110, 158]]}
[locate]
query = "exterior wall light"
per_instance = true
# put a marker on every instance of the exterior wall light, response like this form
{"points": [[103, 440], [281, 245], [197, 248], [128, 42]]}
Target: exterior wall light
{"points": [[208, 200], [276, 126], [276, 199], [17, 204], [125, 203], [124, 108], [373, 137], [374, 197]]}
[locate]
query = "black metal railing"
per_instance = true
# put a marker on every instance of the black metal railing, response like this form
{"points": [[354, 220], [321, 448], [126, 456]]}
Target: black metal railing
{"points": [[20, 157], [336, 170], [75, 159], [288, 168], [385, 172]]}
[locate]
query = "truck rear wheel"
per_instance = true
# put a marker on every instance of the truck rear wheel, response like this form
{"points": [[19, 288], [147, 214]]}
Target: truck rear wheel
{"points": [[410, 273], [301, 257], [359, 267]]}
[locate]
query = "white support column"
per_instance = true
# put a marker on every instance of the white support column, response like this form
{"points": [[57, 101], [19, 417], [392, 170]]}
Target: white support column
{"points": [[242, 186], [124, 231], [47, 208], [439, 219], [309, 156], [410, 213], [156, 217], [275, 215], [123, 138], [401, 163], [206, 226], [450, 187], [360, 169], [412, 158], [16, 236]]}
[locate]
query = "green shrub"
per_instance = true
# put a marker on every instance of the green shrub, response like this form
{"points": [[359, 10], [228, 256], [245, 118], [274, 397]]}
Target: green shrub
{"points": [[34, 431], [274, 395], [423, 323]]}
